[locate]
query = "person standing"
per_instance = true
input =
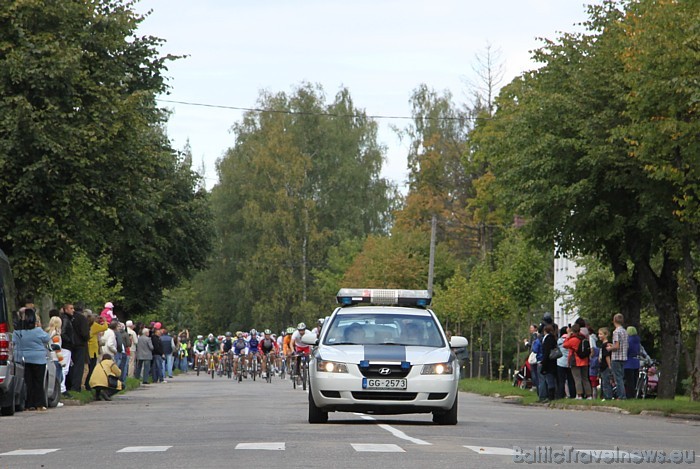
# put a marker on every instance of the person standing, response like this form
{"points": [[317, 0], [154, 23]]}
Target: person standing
{"points": [[605, 364], [97, 327], [579, 365], [632, 363], [67, 343], [29, 346], [619, 347], [144, 356], [80, 340], [168, 349], [157, 363], [548, 366], [134, 339]]}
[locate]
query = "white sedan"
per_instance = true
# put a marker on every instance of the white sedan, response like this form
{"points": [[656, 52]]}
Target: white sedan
{"points": [[383, 352]]}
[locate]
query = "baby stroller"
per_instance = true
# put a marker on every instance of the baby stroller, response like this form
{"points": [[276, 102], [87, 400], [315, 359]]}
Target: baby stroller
{"points": [[522, 378]]}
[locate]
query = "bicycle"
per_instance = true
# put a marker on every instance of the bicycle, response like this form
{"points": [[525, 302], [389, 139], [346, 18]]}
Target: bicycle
{"points": [[240, 365], [268, 367], [229, 365], [198, 359], [255, 366], [647, 380], [212, 365]]}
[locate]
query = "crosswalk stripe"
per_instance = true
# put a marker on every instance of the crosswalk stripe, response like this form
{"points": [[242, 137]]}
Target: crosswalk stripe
{"points": [[377, 448], [261, 446], [28, 452], [144, 449], [492, 450]]}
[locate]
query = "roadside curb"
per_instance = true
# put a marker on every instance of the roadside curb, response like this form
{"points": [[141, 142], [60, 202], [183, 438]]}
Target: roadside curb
{"points": [[72, 402], [517, 399]]}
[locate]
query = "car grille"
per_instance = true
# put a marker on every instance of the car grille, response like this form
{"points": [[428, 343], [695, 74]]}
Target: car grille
{"points": [[383, 396], [396, 371]]}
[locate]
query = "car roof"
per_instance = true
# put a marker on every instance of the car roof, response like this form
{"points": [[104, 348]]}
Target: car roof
{"points": [[388, 310]]}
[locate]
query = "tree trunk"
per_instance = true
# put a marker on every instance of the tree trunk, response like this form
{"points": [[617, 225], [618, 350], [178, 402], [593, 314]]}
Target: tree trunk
{"points": [[664, 292], [500, 355], [688, 267], [628, 290]]}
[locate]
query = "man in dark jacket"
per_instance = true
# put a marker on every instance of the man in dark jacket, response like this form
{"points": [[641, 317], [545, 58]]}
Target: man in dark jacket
{"points": [[81, 335], [548, 367], [157, 364]]}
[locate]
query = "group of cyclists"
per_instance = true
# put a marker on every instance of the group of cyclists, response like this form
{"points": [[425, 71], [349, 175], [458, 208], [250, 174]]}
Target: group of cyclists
{"points": [[252, 353]]}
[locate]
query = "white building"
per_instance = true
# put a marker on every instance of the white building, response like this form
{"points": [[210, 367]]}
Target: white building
{"points": [[566, 271]]}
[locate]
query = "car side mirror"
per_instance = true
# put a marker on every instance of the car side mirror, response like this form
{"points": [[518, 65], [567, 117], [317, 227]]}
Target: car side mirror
{"points": [[457, 341], [309, 338]]}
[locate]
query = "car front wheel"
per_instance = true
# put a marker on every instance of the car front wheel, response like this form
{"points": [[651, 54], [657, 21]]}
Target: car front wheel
{"points": [[316, 415], [448, 417]]}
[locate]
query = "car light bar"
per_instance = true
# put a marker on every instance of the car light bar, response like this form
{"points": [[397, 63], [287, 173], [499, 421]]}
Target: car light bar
{"points": [[353, 296]]}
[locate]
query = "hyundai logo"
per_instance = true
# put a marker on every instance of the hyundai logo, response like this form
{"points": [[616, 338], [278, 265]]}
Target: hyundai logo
{"points": [[384, 371]]}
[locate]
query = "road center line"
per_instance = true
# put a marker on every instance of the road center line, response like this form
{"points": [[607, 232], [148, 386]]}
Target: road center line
{"points": [[395, 431]]}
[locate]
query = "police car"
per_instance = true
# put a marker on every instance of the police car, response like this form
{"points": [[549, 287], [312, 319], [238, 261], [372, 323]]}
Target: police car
{"points": [[383, 352]]}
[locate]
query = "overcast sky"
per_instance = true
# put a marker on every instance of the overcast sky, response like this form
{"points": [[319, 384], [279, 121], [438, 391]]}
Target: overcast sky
{"points": [[381, 50]]}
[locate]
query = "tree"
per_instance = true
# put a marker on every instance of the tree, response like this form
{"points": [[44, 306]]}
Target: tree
{"points": [[302, 178], [561, 152], [83, 158]]}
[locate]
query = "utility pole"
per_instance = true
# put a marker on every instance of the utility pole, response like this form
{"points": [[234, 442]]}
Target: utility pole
{"points": [[431, 264]]}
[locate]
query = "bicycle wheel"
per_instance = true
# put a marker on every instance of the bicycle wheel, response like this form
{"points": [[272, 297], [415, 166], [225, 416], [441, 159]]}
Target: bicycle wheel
{"points": [[254, 368], [212, 368], [229, 368], [196, 364], [641, 392], [268, 366], [293, 373]]}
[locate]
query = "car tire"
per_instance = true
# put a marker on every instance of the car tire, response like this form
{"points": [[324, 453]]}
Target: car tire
{"points": [[448, 417], [56, 396], [10, 408], [316, 415]]}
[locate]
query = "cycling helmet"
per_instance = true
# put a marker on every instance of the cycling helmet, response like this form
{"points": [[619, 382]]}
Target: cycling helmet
{"points": [[301, 326], [320, 321], [210, 336], [290, 330], [200, 337], [253, 332], [228, 334], [239, 334], [267, 332]]}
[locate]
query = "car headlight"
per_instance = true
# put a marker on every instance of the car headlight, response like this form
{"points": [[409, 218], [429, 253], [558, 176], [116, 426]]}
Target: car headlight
{"points": [[437, 369], [331, 367]]}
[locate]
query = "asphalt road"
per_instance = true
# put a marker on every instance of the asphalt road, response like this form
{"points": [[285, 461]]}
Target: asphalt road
{"points": [[195, 422]]}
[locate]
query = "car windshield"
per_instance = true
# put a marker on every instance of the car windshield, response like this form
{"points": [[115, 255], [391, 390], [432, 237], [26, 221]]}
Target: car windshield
{"points": [[368, 328]]}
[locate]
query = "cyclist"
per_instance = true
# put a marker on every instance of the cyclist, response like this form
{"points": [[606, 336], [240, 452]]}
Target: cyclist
{"points": [[212, 347], [300, 348], [226, 346], [267, 346], [317, 329], [253, 347], [239, 352], [199, 347], [287, 347]]}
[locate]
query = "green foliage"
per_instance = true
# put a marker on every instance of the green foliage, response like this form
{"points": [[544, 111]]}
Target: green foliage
{"points": [[300, 181], [84, 161], [88, 282]]}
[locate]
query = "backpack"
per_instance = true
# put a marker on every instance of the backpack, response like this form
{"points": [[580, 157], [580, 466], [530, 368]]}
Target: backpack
{"points": [[584, 348]]}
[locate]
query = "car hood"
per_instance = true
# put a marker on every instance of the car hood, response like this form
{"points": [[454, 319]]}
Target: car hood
{"points": [[384, 354]]}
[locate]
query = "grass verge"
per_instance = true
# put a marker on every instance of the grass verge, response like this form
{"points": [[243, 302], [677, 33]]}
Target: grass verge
{"points": [[680, 405]]}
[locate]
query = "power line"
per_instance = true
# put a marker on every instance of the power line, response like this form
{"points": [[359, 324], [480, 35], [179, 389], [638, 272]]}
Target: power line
{"points": [[325, 114]]}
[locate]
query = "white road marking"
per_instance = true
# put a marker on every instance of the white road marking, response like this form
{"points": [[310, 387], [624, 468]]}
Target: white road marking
{"points": [[261, 446], [396, 432], [492, 450], [29, 452], [377, 448], [144, 449], [399, 434]]}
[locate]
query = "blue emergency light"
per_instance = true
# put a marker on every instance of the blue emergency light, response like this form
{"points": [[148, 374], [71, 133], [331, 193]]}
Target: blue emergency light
{"points": [[383, 297]]}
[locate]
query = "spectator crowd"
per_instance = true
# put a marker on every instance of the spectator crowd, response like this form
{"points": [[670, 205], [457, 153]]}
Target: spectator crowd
{"points": [[578, 362]]}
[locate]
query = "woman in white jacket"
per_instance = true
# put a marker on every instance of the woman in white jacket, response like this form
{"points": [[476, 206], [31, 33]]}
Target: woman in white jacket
{"points": [[110, 339]]}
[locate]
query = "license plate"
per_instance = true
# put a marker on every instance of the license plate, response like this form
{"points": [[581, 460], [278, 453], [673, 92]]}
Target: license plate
{"points": [[383, 383]]}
